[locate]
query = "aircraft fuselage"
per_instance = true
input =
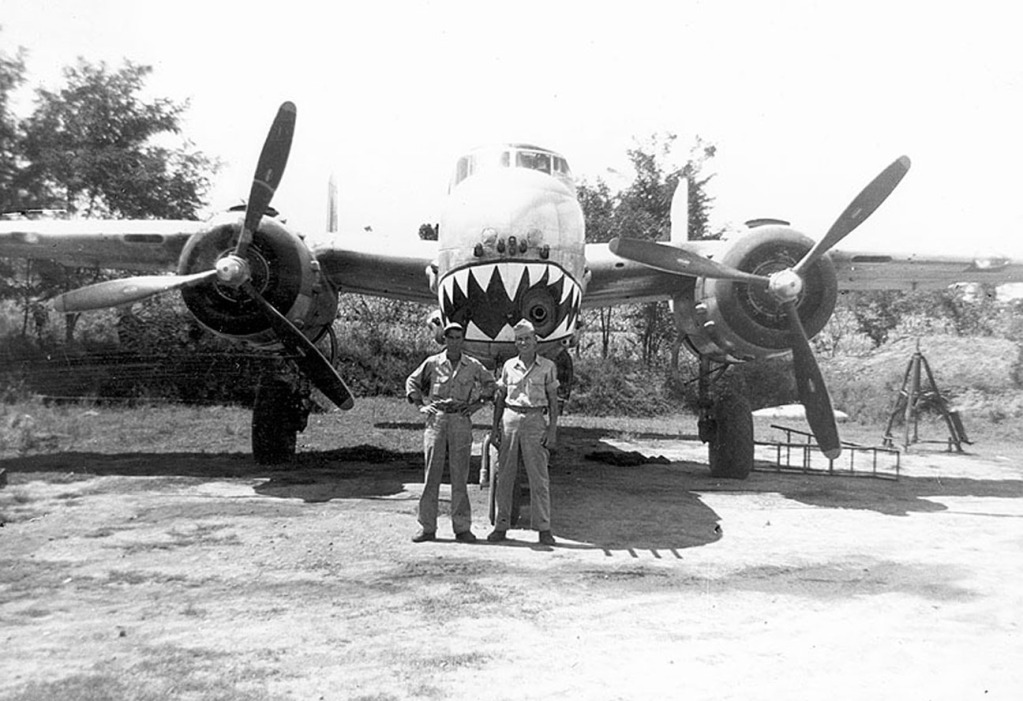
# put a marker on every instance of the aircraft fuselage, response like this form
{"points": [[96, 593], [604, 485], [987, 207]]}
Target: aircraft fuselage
{"points": [[511, 247]]}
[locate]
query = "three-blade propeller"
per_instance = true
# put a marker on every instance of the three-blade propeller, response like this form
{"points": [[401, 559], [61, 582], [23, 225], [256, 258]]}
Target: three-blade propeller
{"points": [[785, 286], [232, 270]]}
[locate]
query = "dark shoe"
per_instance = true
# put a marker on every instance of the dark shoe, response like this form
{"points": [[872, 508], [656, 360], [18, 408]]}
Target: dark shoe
{"points": [[465, 537], [546, 538], [424, 536], [497, 536]]}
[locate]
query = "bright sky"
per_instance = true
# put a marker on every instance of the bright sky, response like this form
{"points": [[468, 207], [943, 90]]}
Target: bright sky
{"points": [[806, 101]]}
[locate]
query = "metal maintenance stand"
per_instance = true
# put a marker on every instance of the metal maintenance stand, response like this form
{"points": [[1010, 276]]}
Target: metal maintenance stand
{"points": [[913, 398]]}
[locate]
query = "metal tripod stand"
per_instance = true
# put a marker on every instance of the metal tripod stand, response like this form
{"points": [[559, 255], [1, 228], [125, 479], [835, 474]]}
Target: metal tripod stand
{"points": [[914, 398]]}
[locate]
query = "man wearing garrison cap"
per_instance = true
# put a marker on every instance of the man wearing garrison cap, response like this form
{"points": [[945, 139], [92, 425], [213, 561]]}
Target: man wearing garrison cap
{"points": [[526, 390], [448, 387]]}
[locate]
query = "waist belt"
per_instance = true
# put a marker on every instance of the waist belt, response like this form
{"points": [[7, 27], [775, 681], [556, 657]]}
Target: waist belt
{"points": [[527, 409]]}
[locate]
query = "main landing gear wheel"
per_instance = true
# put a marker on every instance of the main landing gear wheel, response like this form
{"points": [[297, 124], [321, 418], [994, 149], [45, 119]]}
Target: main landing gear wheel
{"points": [[730, 444], [276, 421]]}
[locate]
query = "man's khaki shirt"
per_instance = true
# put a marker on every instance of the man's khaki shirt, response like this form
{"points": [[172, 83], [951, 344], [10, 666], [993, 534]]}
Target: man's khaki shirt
{"points": [[437, 378]]}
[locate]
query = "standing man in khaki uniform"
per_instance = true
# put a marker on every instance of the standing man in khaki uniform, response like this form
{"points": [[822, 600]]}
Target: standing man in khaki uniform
{"points": [[448, 387], [527, 388]]}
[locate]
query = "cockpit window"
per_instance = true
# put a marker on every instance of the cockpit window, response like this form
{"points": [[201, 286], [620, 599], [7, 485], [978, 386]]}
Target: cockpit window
{"points": [[484, 160], [529, 157], [480, 161], [534, 160]]}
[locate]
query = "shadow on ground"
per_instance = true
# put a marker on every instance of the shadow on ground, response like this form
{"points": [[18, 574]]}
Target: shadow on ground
{"points": [[611, 504]]}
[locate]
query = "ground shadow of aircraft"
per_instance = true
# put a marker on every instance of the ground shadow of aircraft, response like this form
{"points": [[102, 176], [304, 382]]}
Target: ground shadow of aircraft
{"points": [[631, 508]]}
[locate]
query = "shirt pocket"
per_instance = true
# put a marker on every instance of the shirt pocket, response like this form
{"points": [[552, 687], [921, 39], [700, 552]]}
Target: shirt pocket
{"points": [[462, 385], [536, 386]]}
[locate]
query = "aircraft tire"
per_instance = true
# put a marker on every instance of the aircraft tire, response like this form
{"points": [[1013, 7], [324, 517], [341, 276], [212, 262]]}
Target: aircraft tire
{"points": [[273, 426], [730, 447]]}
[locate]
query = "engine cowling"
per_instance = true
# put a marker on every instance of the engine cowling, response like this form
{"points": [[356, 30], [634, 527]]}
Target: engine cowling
{"points": [[734, 322], [283, 270]]}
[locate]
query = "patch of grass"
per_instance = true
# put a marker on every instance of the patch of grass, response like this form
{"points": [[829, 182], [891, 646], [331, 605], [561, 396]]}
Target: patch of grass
{"points": [[194, 536], [81, 687], [17, 505], [166, 672], [203, 534], [135, 577], [193, 611], [26, 578], [452, 660]]}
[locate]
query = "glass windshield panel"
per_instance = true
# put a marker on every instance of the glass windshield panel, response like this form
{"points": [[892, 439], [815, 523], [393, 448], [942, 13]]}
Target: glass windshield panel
{"points": [[462, 169], [534, 160], [485, 160]]}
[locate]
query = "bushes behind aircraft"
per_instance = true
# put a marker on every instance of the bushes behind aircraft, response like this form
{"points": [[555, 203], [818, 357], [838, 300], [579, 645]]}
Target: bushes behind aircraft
{"points": [[158, 353]]}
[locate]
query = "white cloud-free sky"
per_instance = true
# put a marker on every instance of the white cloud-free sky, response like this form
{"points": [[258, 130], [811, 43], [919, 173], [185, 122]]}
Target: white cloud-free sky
{"points": [[806, 101]]}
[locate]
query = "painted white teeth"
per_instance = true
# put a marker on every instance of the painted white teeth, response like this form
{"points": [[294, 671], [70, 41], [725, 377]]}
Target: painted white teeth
{"points": [[510, 276], [566, 291], [475, 333], [562, 330], [536, 271], [482, 274], [461, 278], [457, 285]]}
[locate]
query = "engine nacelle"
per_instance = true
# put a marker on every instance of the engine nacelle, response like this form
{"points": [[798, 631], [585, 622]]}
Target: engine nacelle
{"points": [[283, 270], [734, 322]]}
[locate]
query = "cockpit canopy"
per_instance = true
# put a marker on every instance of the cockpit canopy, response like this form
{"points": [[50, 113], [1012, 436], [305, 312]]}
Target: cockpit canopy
{"points": [[513, 156]]}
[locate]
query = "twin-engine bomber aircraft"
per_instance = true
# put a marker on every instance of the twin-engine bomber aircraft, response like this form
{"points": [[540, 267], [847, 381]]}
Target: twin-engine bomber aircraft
{"points": [[511, 246]]}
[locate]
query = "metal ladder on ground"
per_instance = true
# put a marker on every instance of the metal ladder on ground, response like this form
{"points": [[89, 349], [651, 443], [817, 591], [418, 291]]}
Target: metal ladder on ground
{"points": [[798, 452]]}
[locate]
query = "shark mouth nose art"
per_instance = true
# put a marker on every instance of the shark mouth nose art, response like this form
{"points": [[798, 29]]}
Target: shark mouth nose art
{"points": [[490, 298]]}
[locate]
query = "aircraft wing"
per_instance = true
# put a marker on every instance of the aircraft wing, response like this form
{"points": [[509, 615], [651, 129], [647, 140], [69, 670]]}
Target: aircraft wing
{"points": [[875, 270], [127, 244], [379, 266], [614, 280]]}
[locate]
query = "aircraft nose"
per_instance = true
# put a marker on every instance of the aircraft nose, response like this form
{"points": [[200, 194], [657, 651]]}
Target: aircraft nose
{"points": [[510, 214]]}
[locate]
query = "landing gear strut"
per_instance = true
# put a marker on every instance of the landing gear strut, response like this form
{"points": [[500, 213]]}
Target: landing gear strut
{"points": [[726, 426], [280, 413]]}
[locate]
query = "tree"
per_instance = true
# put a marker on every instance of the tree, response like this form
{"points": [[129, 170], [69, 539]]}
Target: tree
{"points": [[642, 210], [89, 146], [12, 76]]}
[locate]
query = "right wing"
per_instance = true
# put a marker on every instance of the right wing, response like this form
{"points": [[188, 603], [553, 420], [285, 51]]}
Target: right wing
{"points": [[139, 244], [378, 266]]}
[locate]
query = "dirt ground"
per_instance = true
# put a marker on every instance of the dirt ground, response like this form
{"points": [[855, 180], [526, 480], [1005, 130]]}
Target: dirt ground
{"points": [[192, 576]]}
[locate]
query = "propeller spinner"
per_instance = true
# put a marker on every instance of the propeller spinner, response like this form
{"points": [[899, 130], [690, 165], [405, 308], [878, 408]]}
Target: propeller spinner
{"points": [[785, 286]]}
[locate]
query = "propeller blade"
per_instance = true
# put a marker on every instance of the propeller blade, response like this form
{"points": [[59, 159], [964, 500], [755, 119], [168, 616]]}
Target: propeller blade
{"points": [[812, 391], [869, 199], [269, 171], [679, 261], [332, 208], [309, 358], [113, 293]]}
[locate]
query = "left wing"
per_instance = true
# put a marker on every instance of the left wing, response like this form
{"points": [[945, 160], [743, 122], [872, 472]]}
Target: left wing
{"points": [[612, 280], [920, 270]]}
